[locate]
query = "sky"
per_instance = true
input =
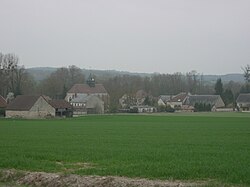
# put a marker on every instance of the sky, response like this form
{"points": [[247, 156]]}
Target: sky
{"points": [[164, 36]]}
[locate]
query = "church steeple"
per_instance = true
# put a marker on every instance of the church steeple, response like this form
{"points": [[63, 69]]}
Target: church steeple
{"points": [[91, 81]]}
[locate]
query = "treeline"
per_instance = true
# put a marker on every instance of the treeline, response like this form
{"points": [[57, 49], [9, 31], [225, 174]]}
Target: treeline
{"points": [[14, 78], [168, 84]]}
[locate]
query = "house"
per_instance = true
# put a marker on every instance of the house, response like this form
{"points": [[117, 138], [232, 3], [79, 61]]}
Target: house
{"points": [[127, 100], [177, 101], [3, 105], [214, 100], [163, 99], [140, 96], [243, 102], [90, 88], [143, 109], [89, 104], [31, 106]]}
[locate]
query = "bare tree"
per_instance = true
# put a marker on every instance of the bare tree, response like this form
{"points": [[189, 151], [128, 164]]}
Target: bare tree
{"points": [[12, 77], [246, 71], [75, 75], [60, 81], [8, 66]]}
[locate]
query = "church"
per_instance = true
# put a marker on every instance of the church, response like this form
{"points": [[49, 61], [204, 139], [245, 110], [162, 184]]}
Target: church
{"points": [[90, 88]]}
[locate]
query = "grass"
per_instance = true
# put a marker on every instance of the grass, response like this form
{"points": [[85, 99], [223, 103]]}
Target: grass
{"points": [[206, 146]]}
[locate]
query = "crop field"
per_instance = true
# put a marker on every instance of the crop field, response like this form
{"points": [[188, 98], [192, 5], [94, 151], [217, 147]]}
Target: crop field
{"points": [[194, 147]]}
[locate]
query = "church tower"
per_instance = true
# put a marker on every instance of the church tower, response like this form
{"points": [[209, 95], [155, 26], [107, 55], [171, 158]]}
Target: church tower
{"points": [[91, 81]]}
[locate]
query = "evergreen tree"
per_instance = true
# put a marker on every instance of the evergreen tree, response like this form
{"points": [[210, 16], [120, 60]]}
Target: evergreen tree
{"points": [[228, 97], [218, 87]]}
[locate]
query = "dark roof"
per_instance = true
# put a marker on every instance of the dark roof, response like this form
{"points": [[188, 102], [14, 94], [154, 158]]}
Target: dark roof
{"points": [[59, 104], [243, 98], [210, 99], [165, 98], [22, 102], [3, 102], [179, 98], [85, 88]]}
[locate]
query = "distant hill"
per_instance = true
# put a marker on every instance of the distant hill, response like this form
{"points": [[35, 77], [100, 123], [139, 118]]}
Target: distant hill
{"points": [[237, 77], [41, 73]]}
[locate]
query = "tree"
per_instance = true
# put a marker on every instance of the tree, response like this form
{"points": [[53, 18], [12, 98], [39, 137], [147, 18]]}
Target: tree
{"points": [[192, 81], [12, 76], [202, 107], [246, 71], [60, 81], [246, 87], [75, 75], [228, 97], [218, 87]]}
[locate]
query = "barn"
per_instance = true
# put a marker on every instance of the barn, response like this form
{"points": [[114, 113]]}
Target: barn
{"points": [[32, 106]]}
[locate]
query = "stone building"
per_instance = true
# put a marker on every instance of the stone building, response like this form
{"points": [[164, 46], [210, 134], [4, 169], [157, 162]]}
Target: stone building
{"points": [[90, 88], [214, 100], [243, 102], [31, 106], [90, 104]]}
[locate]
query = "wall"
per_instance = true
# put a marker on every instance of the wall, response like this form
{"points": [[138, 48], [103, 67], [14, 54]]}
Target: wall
{"points": [[95, 103], [42, 109], [17, 114], [219, 103], [161, 103], [174, 104]]}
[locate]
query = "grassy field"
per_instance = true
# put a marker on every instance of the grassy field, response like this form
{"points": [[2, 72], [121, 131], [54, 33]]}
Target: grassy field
{"points": [[185, 147]]}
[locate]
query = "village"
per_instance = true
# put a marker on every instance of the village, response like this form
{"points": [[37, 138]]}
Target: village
{"points": [[92, 98], [124, 93]]}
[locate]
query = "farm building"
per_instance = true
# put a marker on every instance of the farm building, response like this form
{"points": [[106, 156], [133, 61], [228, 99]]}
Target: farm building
{"points": [[178, 100], [62, 107], [243, 102], [140, 97], [127, 100], [214, 100], [30, 106], [163, 99], [91, 88], [3, 105], [143, 109], [90, 104]]}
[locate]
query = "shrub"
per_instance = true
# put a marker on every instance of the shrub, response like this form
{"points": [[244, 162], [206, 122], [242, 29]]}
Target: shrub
{"points": [[2, 112], [202, 107], [170, 109]]}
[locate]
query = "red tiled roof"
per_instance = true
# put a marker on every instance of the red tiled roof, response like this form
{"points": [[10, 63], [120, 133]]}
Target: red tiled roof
{"points": [[179, 98], [85, 88], [3, 102], [22, 102], [59, 104]]}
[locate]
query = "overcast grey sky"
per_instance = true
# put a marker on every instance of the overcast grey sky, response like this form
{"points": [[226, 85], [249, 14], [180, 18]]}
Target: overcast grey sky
{"points": [[165, 36]]}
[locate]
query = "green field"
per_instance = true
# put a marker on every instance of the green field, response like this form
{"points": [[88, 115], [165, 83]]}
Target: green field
{"points": [[184, 147]]}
